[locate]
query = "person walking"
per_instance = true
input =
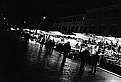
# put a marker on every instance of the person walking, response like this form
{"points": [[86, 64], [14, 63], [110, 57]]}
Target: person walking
{"points": [[42, 42], [60, 47], [67, 48], [84, 56], [52, 45], [95, 62]]}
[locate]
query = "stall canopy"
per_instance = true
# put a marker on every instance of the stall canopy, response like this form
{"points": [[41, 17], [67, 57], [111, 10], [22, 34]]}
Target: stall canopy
{"points": [[56, 33], [82, 36], [110, 38], [100, 37]]}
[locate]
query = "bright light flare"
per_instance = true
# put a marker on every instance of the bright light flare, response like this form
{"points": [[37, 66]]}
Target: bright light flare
{"points": [[12, 29], [44, 17], [4, 18]]}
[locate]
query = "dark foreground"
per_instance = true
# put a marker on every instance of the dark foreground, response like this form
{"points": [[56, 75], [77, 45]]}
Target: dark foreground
{"points": [[35, 64]]}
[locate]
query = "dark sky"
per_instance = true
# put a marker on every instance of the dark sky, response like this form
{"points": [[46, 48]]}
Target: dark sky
{"points": [[19, 10]]}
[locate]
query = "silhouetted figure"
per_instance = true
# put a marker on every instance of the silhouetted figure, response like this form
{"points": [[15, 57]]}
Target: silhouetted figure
{"points": [[67, 48], [42, 43], [27, 36], [39, 38], [119, 48], [95, 60], [60, 47], [49, 45], [85, 55], [52, 45]]}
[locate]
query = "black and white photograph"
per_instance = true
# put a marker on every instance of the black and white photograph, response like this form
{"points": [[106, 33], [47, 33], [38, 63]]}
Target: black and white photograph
{"points": [[60, 41]]}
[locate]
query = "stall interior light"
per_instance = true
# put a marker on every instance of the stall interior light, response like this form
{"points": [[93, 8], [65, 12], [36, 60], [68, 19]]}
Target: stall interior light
{"points": [[110, 38], [17, 28], [56, 32], [27, 29], [12, 29], [38, 31], [81, 35]]}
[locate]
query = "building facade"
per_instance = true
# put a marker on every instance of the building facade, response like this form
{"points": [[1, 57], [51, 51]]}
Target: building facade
{"points": [[69, 24], [104, 21], [100, 21]]}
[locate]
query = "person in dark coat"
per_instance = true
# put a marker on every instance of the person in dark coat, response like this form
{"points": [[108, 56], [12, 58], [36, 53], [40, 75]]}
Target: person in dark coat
{"points": [[52, 45], [84, 56], [39, 38], [67, 48], [60, 48], [27, 36], [95, 60], [42, 43]]}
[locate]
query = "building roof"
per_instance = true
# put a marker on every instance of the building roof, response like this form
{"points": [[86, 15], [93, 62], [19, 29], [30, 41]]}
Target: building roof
{"points": [[70, 16], [104, 8]]}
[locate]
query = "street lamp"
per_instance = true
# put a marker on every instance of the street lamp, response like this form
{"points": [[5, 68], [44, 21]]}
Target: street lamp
{"points": [[44, 18], [4, 18], [24, 21], [43, 22]]}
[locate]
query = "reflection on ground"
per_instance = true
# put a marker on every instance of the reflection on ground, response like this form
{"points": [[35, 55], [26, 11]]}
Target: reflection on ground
{"points": [[44, 66]]}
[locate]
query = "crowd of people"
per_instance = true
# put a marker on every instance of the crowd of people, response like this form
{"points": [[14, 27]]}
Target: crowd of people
{"points": [[90, 52], [65, 48], [84, 55]]}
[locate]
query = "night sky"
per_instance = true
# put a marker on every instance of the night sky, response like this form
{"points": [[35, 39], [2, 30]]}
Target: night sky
{"points": [[19, 10]]}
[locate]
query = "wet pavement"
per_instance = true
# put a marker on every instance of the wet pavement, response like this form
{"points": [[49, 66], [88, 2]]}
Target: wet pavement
{"points": [[44, 66], [31, 63]]}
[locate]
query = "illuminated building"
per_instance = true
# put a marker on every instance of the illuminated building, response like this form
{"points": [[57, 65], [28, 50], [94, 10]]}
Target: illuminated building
{"points": [[104, 21], [69, 24]]}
